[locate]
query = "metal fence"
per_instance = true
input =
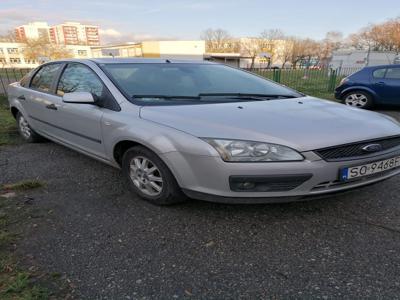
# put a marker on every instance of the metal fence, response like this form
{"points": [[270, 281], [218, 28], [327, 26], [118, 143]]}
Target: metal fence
{"points": [[311, 81], [10, 75]]}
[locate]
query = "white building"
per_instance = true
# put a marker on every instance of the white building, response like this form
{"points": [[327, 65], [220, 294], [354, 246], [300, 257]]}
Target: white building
{"points": [[362, 58], [12, 55], [74, 33], [34, 30], [154, 49], [69, 33]]}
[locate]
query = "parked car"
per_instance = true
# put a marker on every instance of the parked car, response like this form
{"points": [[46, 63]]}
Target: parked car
{"points": [[371, 86], [204, 130]]}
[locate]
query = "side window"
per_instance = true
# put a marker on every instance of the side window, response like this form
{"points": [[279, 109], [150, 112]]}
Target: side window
{"points": [[44, 78], [379, 73], [393, 73], [79, 78], [25, 79]]}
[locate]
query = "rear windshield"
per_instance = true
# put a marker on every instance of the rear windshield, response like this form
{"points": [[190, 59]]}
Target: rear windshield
{"points": [[184, 79]]}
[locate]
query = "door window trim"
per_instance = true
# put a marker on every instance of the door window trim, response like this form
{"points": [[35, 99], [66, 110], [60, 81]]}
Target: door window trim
{"points": [[392, 69], [52, 89], [66, 64]]}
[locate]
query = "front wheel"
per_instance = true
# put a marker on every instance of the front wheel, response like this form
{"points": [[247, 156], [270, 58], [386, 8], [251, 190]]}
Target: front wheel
{"points": [[150, 178], [358, 99], [25, 130]]}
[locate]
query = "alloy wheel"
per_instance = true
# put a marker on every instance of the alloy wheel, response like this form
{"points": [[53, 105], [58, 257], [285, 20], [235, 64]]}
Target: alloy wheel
{"points": [[24, 127], [357, 100], [146, 176]]}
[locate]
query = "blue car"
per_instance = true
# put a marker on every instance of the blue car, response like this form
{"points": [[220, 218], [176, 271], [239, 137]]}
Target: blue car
{"points": [[371, 86]]}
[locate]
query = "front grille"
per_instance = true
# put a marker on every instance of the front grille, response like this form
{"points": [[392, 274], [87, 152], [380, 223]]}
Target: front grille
{"points": [[355, 149]]}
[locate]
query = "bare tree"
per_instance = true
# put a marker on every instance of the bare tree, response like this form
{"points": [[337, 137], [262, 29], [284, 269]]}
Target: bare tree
{"points": [[252, 48], [284, 54], [333, 41], [273, 34], [37, 48], [304, 50], [271, 39], [8, 37], [219, 40], [379, 37]]}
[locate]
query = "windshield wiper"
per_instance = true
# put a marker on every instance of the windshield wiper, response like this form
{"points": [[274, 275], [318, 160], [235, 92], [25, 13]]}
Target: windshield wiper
{"points": [[246, 96], [166, 97]]}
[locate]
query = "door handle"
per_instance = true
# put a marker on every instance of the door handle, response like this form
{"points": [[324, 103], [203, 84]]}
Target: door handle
{"points": [[51, 106], [22, 97]]}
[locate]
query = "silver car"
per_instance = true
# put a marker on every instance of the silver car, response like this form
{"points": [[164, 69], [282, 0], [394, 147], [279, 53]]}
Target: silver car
{"points": [[181, 129]]}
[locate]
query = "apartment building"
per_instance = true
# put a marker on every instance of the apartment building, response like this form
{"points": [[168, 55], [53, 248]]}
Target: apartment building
{"points": [[68, 33], [34, 30], [74, 33]]}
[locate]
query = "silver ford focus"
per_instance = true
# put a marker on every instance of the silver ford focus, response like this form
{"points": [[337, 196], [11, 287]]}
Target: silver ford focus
{"points": [[181, 129]]}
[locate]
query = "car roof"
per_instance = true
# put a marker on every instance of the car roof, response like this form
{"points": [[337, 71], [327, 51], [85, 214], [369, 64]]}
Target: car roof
{"points": [[381, 67], [111, 60]]}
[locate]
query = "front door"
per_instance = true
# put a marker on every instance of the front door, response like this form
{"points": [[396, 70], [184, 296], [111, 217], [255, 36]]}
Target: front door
{"points": [[75, 123]]}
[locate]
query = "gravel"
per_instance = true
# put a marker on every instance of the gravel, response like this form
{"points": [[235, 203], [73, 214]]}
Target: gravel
{"points": [[112, 245]]}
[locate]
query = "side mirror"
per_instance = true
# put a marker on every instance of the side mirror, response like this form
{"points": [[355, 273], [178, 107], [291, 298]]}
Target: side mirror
{"points": [[79, 97]]}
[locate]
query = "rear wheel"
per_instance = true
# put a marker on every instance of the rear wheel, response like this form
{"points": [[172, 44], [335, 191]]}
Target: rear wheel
{"points": [[150, 178], [25, 131], [358, 99]]}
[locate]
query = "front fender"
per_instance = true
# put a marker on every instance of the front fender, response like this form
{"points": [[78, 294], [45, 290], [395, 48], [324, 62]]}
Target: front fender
{"points": [[158, 138], [359, 88]]}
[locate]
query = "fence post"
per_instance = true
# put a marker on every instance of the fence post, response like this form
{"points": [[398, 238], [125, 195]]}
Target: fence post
{"points": [[276, 75], [332, 80]]}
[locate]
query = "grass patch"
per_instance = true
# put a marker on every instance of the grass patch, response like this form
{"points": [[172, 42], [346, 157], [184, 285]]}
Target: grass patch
{"points": [[311, 82], [16, 282], [23, 185], [8, 127]]}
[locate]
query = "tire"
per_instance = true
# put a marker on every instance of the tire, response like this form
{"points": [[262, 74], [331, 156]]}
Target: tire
{"points": [[358, 99], [135, 162], [25, 130]]}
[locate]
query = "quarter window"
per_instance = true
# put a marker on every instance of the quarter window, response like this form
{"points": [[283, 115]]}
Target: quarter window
{"points": [[393, 73], [44, 78], [79, 78], [379, 73]]}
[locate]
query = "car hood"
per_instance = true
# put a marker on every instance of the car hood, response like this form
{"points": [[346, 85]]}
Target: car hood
{"points": [[305, 123]]}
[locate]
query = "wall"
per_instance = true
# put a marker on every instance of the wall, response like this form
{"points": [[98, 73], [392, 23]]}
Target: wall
{"points": [[182, 49]]}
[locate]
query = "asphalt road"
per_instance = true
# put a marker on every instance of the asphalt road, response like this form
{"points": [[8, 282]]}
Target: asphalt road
{"points": [[112, 245]]}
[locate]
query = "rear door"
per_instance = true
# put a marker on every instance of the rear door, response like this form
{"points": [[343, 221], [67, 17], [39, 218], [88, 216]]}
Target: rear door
{"points": [[41, 95], [391, 87]]}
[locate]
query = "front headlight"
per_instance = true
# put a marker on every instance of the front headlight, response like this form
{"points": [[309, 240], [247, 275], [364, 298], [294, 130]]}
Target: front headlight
{"points": [[248, 151]]}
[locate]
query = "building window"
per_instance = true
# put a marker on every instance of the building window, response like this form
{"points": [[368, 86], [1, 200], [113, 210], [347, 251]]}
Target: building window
{"points": [[15, 60], [1, 51], [12, 50], [82, 52]]}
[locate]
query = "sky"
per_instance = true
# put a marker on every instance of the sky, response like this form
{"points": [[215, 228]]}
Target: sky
{"points": [[135, 20]]}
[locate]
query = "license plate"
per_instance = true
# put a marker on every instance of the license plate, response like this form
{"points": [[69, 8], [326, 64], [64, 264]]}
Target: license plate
{"points": [[369, 169]]}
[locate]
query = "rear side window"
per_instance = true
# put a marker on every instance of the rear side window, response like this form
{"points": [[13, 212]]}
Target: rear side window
{"points": [[44, 78], [79, 78], [393, 73], [379, 73]]}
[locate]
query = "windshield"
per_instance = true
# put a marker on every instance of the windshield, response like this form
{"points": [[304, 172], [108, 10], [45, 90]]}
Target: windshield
{"points": [[187, 82]]}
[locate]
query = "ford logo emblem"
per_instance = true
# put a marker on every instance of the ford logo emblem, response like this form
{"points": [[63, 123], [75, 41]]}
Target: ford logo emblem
{"points": [[372, 148]]}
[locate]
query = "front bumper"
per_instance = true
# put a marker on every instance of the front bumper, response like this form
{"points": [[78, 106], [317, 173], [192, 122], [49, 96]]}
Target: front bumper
{"points": [[207, 177]]}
